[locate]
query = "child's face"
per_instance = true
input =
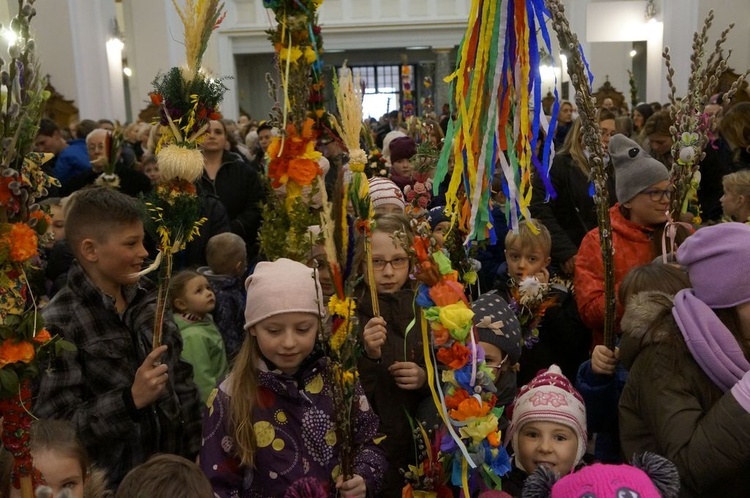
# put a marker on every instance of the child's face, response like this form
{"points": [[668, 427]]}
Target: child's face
{"points": [[57, 227], [114, 260], [287, 339], [61, 472], [318, 259], [645, 210], [495, 359], [440, 231], [152, 172], [391, 263], [547, 443], [389, 209], [402, 167], [525, 261], [197, 297]]}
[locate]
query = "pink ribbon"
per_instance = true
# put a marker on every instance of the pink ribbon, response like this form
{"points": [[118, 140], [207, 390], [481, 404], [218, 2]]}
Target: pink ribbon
{"points": [[670, 231]]}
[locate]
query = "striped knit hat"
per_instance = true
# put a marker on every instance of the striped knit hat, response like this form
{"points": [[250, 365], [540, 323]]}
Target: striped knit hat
{"points": [[383, 191]]}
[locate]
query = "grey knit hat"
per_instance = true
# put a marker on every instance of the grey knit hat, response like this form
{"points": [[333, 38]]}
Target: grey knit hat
{"points": [[635, 170], [497, 324]]}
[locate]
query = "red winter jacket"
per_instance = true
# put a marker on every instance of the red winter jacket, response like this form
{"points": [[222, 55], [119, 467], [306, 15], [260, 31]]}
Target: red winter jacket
{"points": [[632, 247]]}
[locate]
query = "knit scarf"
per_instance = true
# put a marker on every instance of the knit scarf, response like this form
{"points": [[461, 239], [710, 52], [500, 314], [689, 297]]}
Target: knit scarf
{"points": [[710, 342]]}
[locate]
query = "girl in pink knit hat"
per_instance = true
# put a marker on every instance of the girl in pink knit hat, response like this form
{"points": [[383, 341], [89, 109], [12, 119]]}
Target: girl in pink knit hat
{"points": [[270, 426]]}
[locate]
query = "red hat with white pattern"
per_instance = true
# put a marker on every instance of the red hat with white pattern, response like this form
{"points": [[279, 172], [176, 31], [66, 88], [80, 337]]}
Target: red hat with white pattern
{"points": [[549, 397]]}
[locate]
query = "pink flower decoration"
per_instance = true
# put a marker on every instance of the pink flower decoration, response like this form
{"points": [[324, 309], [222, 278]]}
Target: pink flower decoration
{"points": [[555, 399]]}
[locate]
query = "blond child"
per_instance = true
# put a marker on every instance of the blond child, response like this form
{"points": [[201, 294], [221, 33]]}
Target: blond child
{"points": [[735, 203], [271, 424], [553, 333]]}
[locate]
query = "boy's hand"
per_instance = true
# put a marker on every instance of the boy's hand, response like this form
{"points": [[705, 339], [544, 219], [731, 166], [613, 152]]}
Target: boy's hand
{"points": [[603, 360], [543, 275], [353, 488], [150, 379], [408, 375], [374, 336]]}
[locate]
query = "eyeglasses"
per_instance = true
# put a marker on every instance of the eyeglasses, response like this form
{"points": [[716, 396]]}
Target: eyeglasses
{"points": [[96, 147], [396, 263], [500, 365], [656, 195]]}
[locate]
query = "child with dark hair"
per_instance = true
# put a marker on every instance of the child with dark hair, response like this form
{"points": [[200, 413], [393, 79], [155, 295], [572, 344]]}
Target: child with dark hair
{"points": [[601, 379], [164, 476], [125, 400], [688, 391]]}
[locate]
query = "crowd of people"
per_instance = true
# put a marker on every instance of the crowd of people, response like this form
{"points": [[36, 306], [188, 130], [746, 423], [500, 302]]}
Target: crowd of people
{"points": [[237, 400]]}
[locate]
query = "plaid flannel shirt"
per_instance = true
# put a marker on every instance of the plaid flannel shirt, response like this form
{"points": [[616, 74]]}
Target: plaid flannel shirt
{"points": [[91, 387]]}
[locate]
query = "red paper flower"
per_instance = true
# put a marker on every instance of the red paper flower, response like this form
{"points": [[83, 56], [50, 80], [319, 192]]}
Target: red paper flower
{"points": [[452, 401], [455, 356]]}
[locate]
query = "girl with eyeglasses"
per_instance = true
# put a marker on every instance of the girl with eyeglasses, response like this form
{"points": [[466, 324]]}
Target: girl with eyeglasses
{"points": [[638, 223], [391, 367]]}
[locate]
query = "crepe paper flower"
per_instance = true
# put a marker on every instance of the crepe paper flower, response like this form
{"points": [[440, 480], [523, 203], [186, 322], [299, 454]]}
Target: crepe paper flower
{"points": [[440, 334], [5, 193], [156, 98], [470, 408], [307, 487], [291, 54], [22, 242], [479, 429], [443, 262], [12, 351], [455, 357], [42, 336], [453, 401], [456, 316], [423, 297], [443, 293]]}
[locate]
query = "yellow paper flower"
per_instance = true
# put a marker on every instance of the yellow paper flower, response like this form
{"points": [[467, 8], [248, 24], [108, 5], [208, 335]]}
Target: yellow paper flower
{"points": [[479, 429], [310, 55], [456, 316], [291, 54]]}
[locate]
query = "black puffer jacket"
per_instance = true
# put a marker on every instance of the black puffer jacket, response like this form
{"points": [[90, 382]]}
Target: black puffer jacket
{"points": [[571, 215], [240, 189]]}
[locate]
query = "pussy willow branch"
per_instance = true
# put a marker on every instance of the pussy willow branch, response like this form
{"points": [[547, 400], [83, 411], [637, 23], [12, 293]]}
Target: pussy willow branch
{"points": [[592, 140]]}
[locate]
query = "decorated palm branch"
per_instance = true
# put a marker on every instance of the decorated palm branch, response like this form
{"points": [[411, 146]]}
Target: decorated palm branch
{"points": [[294, 164], [691, 128], [112, 148], [581, 78], [349, 101], [496, 99], [25, 345], [188, 99]]}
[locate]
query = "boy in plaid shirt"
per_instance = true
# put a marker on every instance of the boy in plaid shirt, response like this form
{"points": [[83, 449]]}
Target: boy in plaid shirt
{"points": [[126, 401]]}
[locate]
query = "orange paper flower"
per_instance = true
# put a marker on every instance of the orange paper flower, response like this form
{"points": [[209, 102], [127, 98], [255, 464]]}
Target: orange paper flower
{"points": [[453, 401], [470, 408], [440, 333], [443, 293], [455, 356], [12, 352], [42, 336], [22, 242], [156, 98]]}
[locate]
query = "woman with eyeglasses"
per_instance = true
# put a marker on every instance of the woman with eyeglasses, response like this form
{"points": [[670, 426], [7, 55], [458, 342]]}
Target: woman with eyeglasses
{"points": [[392, 368], [571, 214], [638, 223]]}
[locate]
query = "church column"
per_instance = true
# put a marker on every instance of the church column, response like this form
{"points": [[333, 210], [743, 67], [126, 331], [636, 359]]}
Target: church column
{"points": [[443, 69]]}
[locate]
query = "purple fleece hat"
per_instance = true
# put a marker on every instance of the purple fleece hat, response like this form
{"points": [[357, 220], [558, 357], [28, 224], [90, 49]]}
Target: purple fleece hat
{"points": [[717, 258]]}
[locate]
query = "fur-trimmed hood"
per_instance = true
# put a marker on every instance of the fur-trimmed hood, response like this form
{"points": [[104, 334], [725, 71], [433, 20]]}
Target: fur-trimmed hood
{"points": [[647, 320]]}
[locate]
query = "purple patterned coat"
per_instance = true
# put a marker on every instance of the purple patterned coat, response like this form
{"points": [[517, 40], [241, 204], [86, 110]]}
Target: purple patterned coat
{"points": [[294, 428]]}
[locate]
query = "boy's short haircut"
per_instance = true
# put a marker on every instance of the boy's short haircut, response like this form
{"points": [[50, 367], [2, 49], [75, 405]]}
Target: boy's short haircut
{"points": [[527, 238], [224, 251], [96, 212], [165, 475]]}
